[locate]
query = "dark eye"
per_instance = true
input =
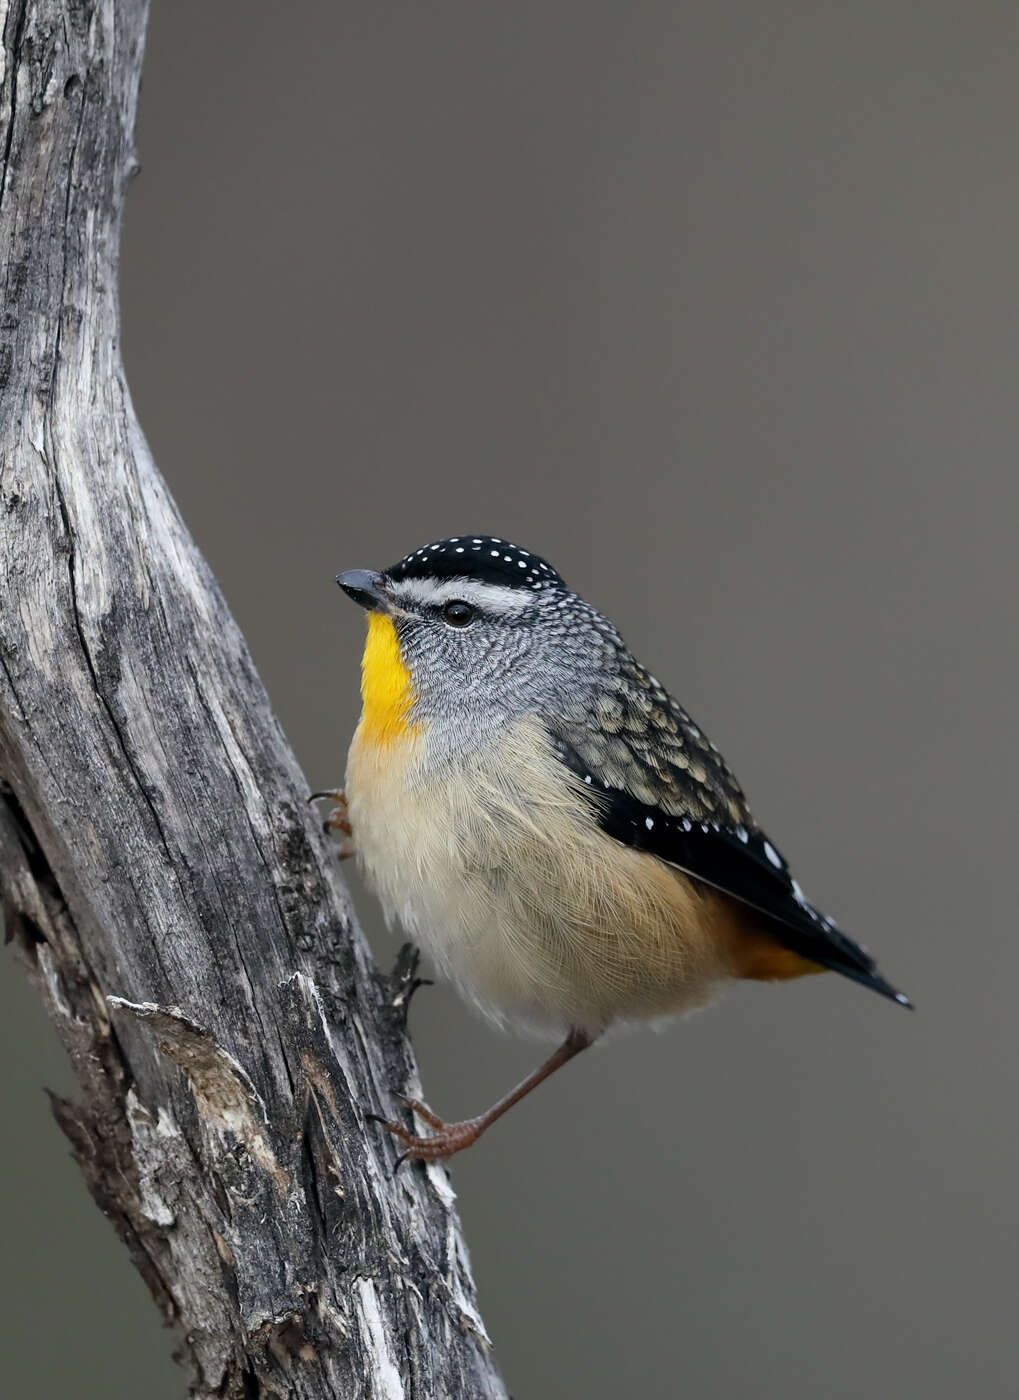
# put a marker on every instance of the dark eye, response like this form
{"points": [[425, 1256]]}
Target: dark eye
{"points": [[459, 614]]}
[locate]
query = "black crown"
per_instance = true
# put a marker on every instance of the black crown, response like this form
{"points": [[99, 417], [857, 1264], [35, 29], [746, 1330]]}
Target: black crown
{"points": [[478, 556]]}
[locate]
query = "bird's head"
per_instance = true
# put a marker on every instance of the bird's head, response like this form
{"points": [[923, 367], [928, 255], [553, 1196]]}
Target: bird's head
{"points": [[470, 631]]}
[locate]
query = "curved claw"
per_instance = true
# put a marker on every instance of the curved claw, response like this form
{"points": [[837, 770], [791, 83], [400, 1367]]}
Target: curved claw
{"points": [[448, 1139], [416, 1106], [397, 1129], [337, 820], [423, 1111]]}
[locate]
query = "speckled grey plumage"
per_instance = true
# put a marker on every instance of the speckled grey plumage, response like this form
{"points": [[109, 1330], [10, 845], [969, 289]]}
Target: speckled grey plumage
{"points": [[539, 650]]}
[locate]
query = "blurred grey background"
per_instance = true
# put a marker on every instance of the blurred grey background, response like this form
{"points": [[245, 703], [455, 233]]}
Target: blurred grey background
{"points": [[716, 305]]}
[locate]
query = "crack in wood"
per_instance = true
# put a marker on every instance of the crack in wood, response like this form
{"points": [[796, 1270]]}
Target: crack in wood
{"points": [[156, 858]]}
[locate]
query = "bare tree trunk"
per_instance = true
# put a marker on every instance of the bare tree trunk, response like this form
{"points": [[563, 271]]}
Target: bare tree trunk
{"points": [[164, 882]]}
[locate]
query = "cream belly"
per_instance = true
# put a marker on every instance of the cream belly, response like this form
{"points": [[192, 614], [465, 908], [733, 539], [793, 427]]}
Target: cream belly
{"points": [[497, 868]]}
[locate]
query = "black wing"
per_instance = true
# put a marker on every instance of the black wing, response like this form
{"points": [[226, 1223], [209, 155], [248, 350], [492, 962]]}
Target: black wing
{"points": [[695, 817]]}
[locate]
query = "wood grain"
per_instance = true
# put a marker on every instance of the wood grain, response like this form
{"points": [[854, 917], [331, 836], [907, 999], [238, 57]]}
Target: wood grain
{"points": [[164, 881]]}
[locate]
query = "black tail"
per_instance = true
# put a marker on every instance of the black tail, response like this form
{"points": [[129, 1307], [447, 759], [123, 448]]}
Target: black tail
{"points": [[823, 943]]}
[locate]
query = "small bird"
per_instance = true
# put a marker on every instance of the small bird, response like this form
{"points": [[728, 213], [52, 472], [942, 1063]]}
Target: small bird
{"points": [[547, 821]]}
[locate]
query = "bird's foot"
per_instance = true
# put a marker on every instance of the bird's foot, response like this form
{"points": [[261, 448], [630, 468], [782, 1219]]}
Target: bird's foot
{"points": [[337, 820], [447, 1138]]}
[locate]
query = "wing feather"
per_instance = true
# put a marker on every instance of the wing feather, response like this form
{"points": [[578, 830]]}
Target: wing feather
{"points": [[708, 833]]}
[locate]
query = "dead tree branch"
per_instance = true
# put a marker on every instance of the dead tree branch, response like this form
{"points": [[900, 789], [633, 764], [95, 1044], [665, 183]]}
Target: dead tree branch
{"points": [[163, 881]]}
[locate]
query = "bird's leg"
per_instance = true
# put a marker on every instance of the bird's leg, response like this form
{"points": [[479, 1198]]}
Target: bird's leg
{"points": [[337, 820], [454, 1137]]}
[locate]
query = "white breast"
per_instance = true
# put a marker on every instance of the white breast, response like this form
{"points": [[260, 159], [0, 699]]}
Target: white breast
{"points": [[496, 867]]}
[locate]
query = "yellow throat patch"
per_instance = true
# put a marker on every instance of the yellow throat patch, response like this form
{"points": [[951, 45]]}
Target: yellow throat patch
{"points": [[386, 690]]}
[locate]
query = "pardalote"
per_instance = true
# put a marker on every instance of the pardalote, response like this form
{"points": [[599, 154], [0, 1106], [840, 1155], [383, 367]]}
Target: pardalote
{"points": [[547, 822]]}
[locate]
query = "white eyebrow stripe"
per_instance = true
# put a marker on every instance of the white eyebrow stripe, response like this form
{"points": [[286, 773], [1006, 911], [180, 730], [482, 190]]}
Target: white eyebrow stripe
{"points": [[434, 592]]}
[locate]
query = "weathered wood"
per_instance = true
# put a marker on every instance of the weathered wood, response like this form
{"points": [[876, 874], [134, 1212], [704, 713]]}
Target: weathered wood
{"points": [[166, 886]]}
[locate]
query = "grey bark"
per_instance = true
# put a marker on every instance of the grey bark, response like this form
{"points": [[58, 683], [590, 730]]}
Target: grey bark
{"points": [[164, 882]]}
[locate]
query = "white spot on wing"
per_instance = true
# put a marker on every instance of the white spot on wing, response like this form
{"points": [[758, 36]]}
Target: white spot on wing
{"points": [[772, 854]]}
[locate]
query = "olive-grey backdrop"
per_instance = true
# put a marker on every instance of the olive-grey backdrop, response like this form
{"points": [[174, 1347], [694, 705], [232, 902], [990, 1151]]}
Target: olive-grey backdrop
{"points": [[715, 305]]}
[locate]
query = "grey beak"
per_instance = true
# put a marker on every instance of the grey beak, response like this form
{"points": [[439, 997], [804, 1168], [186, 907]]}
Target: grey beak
{"points": [[366, 587]]}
